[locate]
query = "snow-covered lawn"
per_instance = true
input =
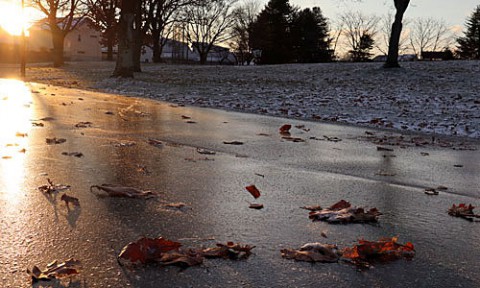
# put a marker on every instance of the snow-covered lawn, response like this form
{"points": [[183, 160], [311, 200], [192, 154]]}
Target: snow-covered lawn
{"points": [[432, 97]]}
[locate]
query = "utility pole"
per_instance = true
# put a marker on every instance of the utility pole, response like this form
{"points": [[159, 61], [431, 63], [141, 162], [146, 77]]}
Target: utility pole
{"points": [[23, 60]]}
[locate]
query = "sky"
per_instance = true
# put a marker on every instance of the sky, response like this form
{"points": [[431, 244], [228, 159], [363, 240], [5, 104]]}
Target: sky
{"points": [[454, 13]]}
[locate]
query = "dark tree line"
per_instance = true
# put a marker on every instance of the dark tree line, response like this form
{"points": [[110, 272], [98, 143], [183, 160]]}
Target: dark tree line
{"points": [[469, 45], [284, 34]]}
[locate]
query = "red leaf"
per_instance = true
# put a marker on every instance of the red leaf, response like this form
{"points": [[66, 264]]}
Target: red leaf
{"points": [[146, 250], [253, 190], [342, 204], [386, 249], [285, 129]]}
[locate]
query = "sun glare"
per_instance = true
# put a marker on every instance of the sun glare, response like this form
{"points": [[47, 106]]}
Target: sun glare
{"points": [[13, 20]]}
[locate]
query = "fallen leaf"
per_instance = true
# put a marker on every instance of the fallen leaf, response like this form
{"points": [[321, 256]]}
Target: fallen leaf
{"points": [[229, 250], [52, 188], [46, 119], [424, 154], [342, 212], [23, 150], [19, 134], [55, 140], [332, 139], [70, 199], [37, 124], [186, 117], [155, 142], [183, 258], [463, 211], [205, 151], [190, 122], [55, 270], [256, 206], [458, 165], [233, 142], [253, 190], [6, 157], [146, 250], [285, 129], [177, 205], [431, 191], [323, 234], [75, 154], [312, 208], [313, 252], [122, 191], [302, 127], [124, 144], [379, 148], [293, 139], [83, 124], [386, 249]]}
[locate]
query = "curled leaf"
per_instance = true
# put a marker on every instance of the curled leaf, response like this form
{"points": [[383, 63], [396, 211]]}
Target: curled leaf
{"points": [[313, 252], [253, 190], [285, 129], [55, 270], [464, 211], [229, 250], [342, 212], [121, 191], [55, 140], [146, 250], [386, 249]]}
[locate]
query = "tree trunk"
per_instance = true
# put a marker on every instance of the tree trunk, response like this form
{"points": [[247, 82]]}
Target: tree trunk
{"points": [[137, 37], [57, 40], [124, 65], [203, 58], [110, 49], [392, 58], [157, 49]]}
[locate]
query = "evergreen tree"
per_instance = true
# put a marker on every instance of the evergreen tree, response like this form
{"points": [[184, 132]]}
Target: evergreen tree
{"points": [[361, 53], [469, 45], [311, 43], [271, 34]]}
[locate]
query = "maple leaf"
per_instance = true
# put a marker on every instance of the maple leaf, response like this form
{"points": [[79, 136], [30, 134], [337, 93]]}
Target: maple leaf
{"points": [[122, 191], [464, 211], [343, 212], [253, 190], [386, 249], [146, 250], [313, 252], [55, 270]]}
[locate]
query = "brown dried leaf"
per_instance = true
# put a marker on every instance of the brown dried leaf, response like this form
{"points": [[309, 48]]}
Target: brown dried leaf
{"points": [[146, 250], [52, 188], [122, 191], [75, 154], [233, 142], [55, 270], [255, 206], [55, 140], [386, 249], [155, 142], [229, 250], [313, 252], [342, 212], [86, 124]]}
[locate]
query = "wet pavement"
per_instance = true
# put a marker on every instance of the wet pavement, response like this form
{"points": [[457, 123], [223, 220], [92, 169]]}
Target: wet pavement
{"points": [[37, 229]]}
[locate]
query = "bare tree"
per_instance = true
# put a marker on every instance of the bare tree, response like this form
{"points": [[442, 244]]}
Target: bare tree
{"points": [[105, 15], [357, 29], [62, 17], [208, 24], [125, 66], [385, 31], [244, 15], [160, 15], [429, 34]]}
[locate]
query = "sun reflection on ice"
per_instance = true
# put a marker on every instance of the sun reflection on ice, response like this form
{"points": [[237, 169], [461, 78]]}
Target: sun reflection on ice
{"points": [[15, 115]]}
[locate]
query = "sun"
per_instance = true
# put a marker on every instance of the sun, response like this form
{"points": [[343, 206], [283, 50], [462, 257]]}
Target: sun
{"points": [[13, 20]]}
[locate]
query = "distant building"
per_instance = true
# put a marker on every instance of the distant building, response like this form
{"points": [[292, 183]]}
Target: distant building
{"points": [[9, 47], [81, 44]]}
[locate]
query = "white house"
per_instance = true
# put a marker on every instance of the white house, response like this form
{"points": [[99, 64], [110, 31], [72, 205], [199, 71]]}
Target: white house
{"points": [[81, 44]]}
